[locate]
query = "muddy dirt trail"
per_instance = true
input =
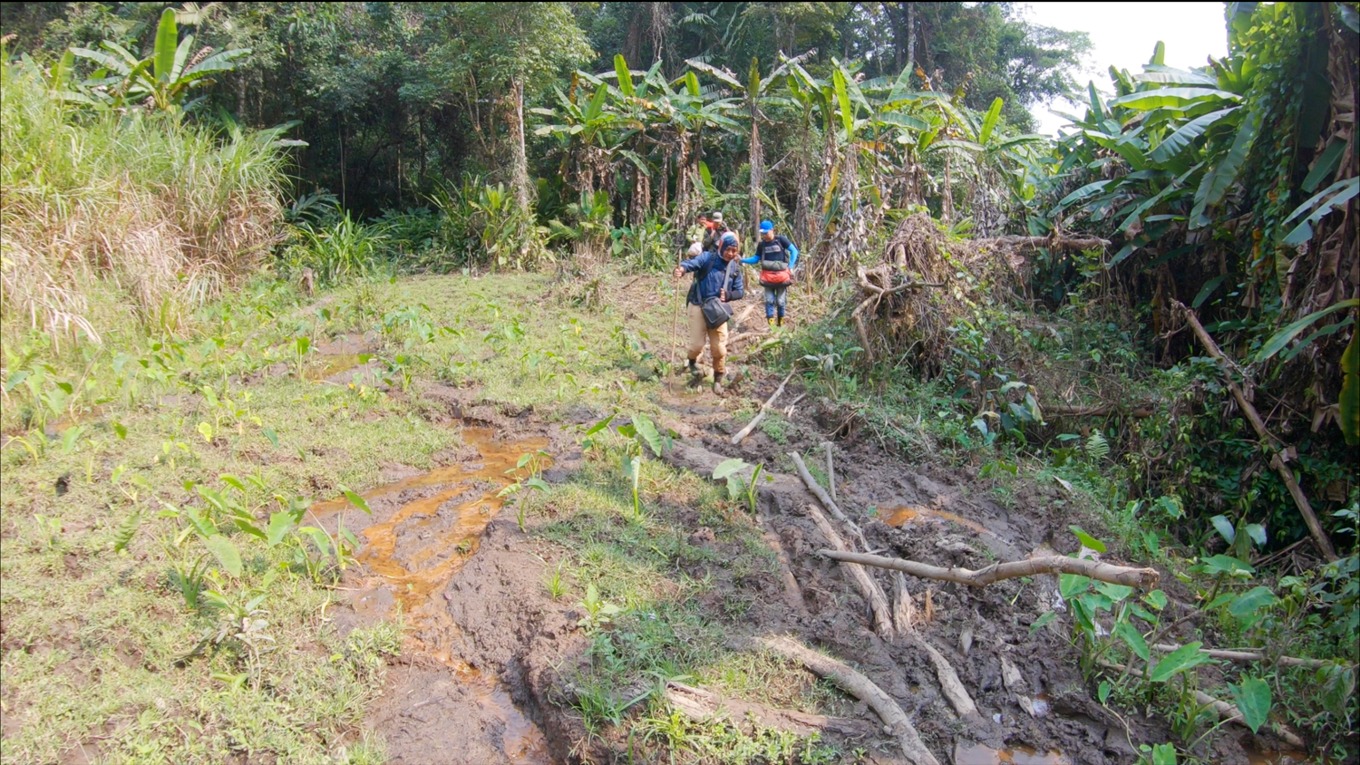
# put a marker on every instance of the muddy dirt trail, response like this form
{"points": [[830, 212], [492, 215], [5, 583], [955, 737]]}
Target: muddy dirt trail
{"points": [[481, 678]]}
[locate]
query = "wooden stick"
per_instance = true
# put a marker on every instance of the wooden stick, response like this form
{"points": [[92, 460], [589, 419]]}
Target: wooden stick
{"points": [[1277, 460], [830, 471], [903, 610], [750, 426], [703, 704], [859, 686], [1247, 657], [1145, 578], [868, 588], [1223, 710], [1138, 410], [949, 681], [826, 500]]}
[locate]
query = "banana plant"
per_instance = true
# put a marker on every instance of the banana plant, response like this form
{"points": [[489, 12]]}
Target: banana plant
{"points": [[164, 78]]}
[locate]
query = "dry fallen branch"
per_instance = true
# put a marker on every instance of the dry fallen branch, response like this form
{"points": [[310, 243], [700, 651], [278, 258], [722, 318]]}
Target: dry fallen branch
{"points": [[1248, 657], [1137, 410], [1145, 578], [750, 426], [949, 681], [821, 494], [868, 588], [1053, 242], [703, 704], [1278, 460], [859, 686]]}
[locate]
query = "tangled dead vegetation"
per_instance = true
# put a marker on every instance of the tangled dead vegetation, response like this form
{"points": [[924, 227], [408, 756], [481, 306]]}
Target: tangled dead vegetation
{"points": [[926, 281]]}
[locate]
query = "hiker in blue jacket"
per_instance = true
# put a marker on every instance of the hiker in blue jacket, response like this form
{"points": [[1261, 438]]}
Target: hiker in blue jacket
{"points": [[715, 275], [777, 258]]}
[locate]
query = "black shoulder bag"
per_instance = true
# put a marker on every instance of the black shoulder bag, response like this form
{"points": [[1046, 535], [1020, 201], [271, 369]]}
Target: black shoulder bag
{"points": [[716, 312]]}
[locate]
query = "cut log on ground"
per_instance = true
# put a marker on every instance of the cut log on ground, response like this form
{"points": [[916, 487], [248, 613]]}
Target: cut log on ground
{"points": [[750, 426], [1145, 578], [949, 680], [702, 704], [868, 588], [1278, 460], [862, 688], [903, 610]]}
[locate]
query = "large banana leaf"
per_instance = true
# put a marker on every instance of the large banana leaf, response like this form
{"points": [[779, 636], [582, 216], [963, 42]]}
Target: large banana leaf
{"points": [[167, 41], [1215, 184], [1179, 141], [625, 76], [1172, 97], [989, 122], [1324, 201]]}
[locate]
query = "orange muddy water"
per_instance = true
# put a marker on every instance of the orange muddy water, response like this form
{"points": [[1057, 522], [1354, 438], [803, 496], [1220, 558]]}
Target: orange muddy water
{"points": [[409, 557]]}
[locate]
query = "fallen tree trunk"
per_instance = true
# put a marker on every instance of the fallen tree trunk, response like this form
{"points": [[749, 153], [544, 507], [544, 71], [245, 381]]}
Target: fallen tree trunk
{"points": [[1278, 459], [868, 588], [750, 426], [1137, 410], [859, 686], [1145, 578], [1053, 242], [702, 704], [825, 498]]}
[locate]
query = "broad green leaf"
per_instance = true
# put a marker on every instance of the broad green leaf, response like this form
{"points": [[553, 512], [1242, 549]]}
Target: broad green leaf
{"points": [[167, 40], [1070, 585], [272, 436], [843, 99], [1173, 97], [1089, 190], [1349, 405], [1087, 540], [1115, 592], [1215, 184], [1225, 528], [1340, 193], [356, 500], [1164, 75], [1134, 639], [225, 552], [1179, 141], [1282, 338], [728, 467], [1257, 532], [247, 524], [989, 122], [648, 434], [1164, 754], [1156, 599], [1225, 564], [1248, 603], [1253, 701], [280, 523], [1103, 692], [625, 76], [1324, 165], [1182, 659]]}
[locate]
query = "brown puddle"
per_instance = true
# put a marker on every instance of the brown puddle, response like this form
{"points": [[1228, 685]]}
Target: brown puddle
{"points": [[410, 557], [977, 754], [900, 516]]}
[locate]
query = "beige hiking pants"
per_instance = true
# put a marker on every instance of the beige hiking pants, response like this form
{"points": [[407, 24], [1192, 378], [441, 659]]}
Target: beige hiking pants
{"points": [[699, 334]]}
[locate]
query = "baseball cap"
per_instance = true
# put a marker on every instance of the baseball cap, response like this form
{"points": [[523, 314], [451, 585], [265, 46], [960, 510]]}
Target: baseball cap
{"points": [[766, 226], [716, 217]]}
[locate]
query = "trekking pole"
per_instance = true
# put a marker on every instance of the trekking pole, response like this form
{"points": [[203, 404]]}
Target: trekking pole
{"points": [[675, 317]]}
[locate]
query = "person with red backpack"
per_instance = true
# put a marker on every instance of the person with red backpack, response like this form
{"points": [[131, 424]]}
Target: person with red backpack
{"points": [[777, 257]]}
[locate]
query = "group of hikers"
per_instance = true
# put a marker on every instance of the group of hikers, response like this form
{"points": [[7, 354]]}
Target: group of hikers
{"points": [[716, 263]]}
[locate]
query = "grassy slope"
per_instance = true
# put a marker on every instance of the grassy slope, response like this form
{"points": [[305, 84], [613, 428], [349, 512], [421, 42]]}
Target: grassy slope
{"points": [[109, 631]]}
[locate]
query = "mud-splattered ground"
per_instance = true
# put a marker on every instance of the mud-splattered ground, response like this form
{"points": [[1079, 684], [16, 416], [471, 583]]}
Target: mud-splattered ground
{"points": [[482, 679]]}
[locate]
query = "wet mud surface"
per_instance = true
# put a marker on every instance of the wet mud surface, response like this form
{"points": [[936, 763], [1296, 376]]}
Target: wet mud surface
{"points": [[481, 678]]}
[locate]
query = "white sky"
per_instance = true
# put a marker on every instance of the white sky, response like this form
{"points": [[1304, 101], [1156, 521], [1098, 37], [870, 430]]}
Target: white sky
{"points": [[1124, 34]]}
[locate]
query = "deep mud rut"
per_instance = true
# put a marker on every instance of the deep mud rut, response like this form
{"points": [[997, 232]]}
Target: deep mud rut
{"points": [[478, 680]]}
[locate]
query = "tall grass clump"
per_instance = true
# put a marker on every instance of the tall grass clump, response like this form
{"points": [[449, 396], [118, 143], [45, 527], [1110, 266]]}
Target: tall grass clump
{"points": [[109, 216]]}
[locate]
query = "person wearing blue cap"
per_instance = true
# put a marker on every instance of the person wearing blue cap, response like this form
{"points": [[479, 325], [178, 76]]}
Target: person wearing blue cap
{"points": [[717, 278], [777, 257]]}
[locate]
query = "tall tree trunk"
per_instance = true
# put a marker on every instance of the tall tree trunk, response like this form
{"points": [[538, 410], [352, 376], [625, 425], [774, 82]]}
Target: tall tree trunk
{"points": [[519, 160], [801, 224], [757, 168], [911, 34]]}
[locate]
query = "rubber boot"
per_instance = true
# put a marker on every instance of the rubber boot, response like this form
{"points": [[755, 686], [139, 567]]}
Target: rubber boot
{"points": [[694, 368], [769, 321], [781, 321], [718, 383]]}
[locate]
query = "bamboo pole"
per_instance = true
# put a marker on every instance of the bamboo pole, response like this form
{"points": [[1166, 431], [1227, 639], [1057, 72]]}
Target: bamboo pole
{"points": [[1277, 460]]}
